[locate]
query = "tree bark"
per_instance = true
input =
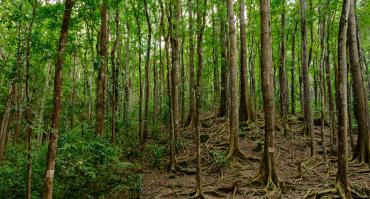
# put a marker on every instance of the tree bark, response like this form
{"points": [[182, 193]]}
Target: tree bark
{"points": [[282, 69], [268, 164], [50, 161], [342, 177], [223, 110], [191, 115], [101, 81], [201, 22], [245, 112], [308, 128], [147, 85], [234, 149], [292, 95], [362, 149]]}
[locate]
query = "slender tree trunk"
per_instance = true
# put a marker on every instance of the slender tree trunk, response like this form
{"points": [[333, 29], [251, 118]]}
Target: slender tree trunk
{"points": [[282, 70], [224, 65], [147, 85], [29, 115], [245, 112], [115, 71], [292, 97], [308, 128], [50, 161], [269, 162], [191, 115], [362, 149], [329, 90], [322, 31], [201, 22], [342, 177], [140, 75], [127, 79], [216, 79], [101, 81], [5, 120]]}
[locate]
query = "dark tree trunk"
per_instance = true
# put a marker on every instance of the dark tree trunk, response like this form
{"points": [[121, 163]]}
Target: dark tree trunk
{"points": [[50, 161], [282, 70], [147, 85], [101, 82], [245, 112], [292, 94], [224, 66]]}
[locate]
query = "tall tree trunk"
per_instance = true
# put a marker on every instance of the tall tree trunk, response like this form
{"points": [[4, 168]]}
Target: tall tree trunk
{"points": [[268, 164], [29, 115], [224, 66], [147, 85], [140, 75], [201, 22], [282, 69], [245, 112], [216, 79], [101, 81], [115, 71], [50, 161], [5, 119], [191, 115], [342, 177], [362, 149], [308, 127], [292, 97], [127, 79], [175, 72], [322, 31], [234, 149], [329, 90]]}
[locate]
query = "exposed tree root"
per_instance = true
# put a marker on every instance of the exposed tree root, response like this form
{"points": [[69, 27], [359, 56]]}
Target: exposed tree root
{"points": [[198, 194], [337, 190]]}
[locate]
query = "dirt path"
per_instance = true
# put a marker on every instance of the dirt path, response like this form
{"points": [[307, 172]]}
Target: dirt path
{"points": [[222, 179]]}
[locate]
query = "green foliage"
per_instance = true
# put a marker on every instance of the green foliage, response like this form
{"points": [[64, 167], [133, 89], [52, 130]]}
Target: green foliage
{"points": [[87, 167], [219, 159], [155, 154]]}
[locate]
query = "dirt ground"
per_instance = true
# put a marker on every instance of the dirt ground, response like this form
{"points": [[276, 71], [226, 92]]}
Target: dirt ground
{"points": [[230, 179]]}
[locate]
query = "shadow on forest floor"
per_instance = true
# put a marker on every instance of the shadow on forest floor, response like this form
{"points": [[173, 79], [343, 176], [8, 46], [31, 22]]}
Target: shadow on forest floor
{"points": [[220, 176]]}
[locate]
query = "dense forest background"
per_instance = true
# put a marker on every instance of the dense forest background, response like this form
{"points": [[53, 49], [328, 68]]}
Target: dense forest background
{"points": [[184, 98]]}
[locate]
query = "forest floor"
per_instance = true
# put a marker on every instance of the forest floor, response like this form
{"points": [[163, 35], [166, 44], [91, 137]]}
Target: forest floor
{"points": [[229, 179]]}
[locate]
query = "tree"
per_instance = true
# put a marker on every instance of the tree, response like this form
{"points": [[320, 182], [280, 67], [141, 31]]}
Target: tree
{"points": [[103, 65], [55, 120], [245, 109], [201, 22], [282, 69], [191, 114], [234, 149], [362, 149], [308, 121], [223, 110], [292, 71], [343, 185], [268, 164], [147, 85], [175, 71]]}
